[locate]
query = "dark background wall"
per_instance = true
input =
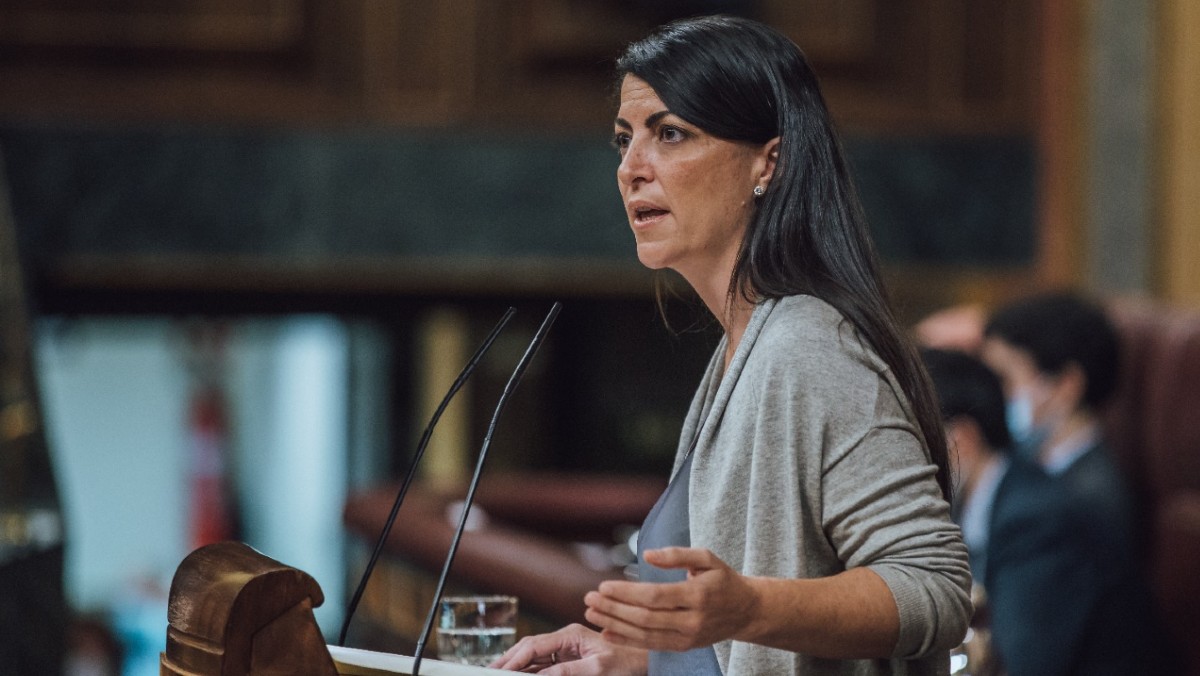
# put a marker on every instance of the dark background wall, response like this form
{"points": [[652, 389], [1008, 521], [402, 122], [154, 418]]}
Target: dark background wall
{"points": [[188, 148], [303, 200]]}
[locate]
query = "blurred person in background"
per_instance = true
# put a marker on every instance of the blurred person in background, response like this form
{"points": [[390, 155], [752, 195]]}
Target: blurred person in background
{"points": [[1044, 574], [1057, 356]]}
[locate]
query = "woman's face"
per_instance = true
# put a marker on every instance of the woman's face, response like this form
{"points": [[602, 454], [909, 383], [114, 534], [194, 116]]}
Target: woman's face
{"points": [[688, 195]]}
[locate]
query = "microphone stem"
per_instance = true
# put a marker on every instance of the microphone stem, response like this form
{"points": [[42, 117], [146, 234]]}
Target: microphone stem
{"points": [[515, 378], [412, 469]]}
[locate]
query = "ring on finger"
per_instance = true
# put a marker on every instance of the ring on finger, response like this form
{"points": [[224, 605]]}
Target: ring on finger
{"points": [[554, 658]]}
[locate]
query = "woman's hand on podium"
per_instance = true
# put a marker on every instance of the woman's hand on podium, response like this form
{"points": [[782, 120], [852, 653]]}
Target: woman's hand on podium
{"points": [[573, 650]]}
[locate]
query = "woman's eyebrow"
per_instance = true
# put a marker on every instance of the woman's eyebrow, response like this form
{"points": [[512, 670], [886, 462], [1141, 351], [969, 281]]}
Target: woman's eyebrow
{"points": [[651, 119]]}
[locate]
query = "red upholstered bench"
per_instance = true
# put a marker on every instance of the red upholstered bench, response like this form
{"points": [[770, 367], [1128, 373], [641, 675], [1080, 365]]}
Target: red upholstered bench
{"points": [[1154, 424]]}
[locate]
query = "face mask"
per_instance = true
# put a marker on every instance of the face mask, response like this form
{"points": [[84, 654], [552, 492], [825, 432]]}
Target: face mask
{"points": [[1027, 435]]}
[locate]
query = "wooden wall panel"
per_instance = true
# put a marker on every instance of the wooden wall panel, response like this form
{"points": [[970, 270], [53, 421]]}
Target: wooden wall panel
{"points": [[548, 63], [278, 62], [1179, 148], [214, 59], [412, 63], [903, 66], [157, 26], [923, 66], [1062, 154], [829, 31], [890, 69]]}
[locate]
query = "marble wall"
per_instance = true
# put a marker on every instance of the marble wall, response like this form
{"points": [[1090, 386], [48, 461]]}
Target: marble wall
{"points": [[311, 195]]}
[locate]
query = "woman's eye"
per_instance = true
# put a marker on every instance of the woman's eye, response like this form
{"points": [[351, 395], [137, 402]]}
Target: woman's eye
{"points": [[620, 141], [671, 134]]}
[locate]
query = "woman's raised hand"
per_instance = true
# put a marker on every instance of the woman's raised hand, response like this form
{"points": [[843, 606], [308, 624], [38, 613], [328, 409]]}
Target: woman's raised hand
{"points": [[573, 650], [714, 603]]}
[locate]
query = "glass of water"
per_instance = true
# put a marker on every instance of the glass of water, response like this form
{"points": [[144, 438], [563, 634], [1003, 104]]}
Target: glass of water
{"points": [[476, 629]]}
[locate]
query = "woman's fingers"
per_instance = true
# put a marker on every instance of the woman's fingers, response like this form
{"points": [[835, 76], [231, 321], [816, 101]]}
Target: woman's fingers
{"points": [[574, 650], [519, 657], [632, 625], [682, 557], [660, 596], [542, 650], [714, 603], [623, 633], [670, 616]]}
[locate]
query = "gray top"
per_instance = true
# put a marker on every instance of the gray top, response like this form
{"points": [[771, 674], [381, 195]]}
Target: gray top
{"points": [[808, 463], [667, 526]]}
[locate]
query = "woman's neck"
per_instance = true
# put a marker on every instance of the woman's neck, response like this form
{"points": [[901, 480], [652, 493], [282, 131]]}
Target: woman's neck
{"points": [[734, 318], [732, 310]]}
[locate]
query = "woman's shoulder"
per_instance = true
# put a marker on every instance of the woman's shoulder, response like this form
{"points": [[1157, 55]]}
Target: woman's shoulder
{"points": [[807, 339], [807, 332]]}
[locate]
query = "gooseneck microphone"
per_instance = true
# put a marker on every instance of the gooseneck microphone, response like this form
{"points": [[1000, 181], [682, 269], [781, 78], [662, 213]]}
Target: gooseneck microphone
{"points": [[515, 378], [412, 469]]}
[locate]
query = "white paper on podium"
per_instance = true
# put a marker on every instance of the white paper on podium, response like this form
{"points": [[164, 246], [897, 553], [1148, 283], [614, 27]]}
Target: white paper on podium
{"points": [[355, 662]]}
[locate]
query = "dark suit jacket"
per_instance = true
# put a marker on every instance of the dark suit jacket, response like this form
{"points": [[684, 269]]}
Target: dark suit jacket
{"points": [[1064, 593]]}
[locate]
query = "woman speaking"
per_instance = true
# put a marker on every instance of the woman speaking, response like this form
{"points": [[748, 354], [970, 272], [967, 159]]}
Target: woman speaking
{"points": [[805, 529]]}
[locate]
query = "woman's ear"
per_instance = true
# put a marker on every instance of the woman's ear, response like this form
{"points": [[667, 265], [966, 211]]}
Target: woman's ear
{"points": [[770, 156]]}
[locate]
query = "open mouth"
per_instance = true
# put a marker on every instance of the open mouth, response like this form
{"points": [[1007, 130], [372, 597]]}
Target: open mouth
{"points": [[647, 214]]}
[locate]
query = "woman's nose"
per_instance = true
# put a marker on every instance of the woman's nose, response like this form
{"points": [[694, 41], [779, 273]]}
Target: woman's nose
{"points": [[634, 165]]}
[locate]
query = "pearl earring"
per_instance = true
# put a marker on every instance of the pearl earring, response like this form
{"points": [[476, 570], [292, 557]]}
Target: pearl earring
{"points": [[759, 191]]}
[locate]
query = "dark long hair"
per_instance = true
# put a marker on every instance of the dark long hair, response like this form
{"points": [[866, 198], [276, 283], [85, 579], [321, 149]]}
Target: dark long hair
{"points": [[741, 80]]}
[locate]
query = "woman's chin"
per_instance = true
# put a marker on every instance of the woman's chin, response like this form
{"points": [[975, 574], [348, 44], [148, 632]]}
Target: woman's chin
{"points": [[649, 257]]}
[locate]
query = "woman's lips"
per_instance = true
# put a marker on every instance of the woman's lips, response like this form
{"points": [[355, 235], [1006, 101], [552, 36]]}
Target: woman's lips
{"points": [[647, 215]]}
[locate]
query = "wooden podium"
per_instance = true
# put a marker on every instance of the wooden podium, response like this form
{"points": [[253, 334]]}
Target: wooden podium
{"points": [[235, 612]]}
